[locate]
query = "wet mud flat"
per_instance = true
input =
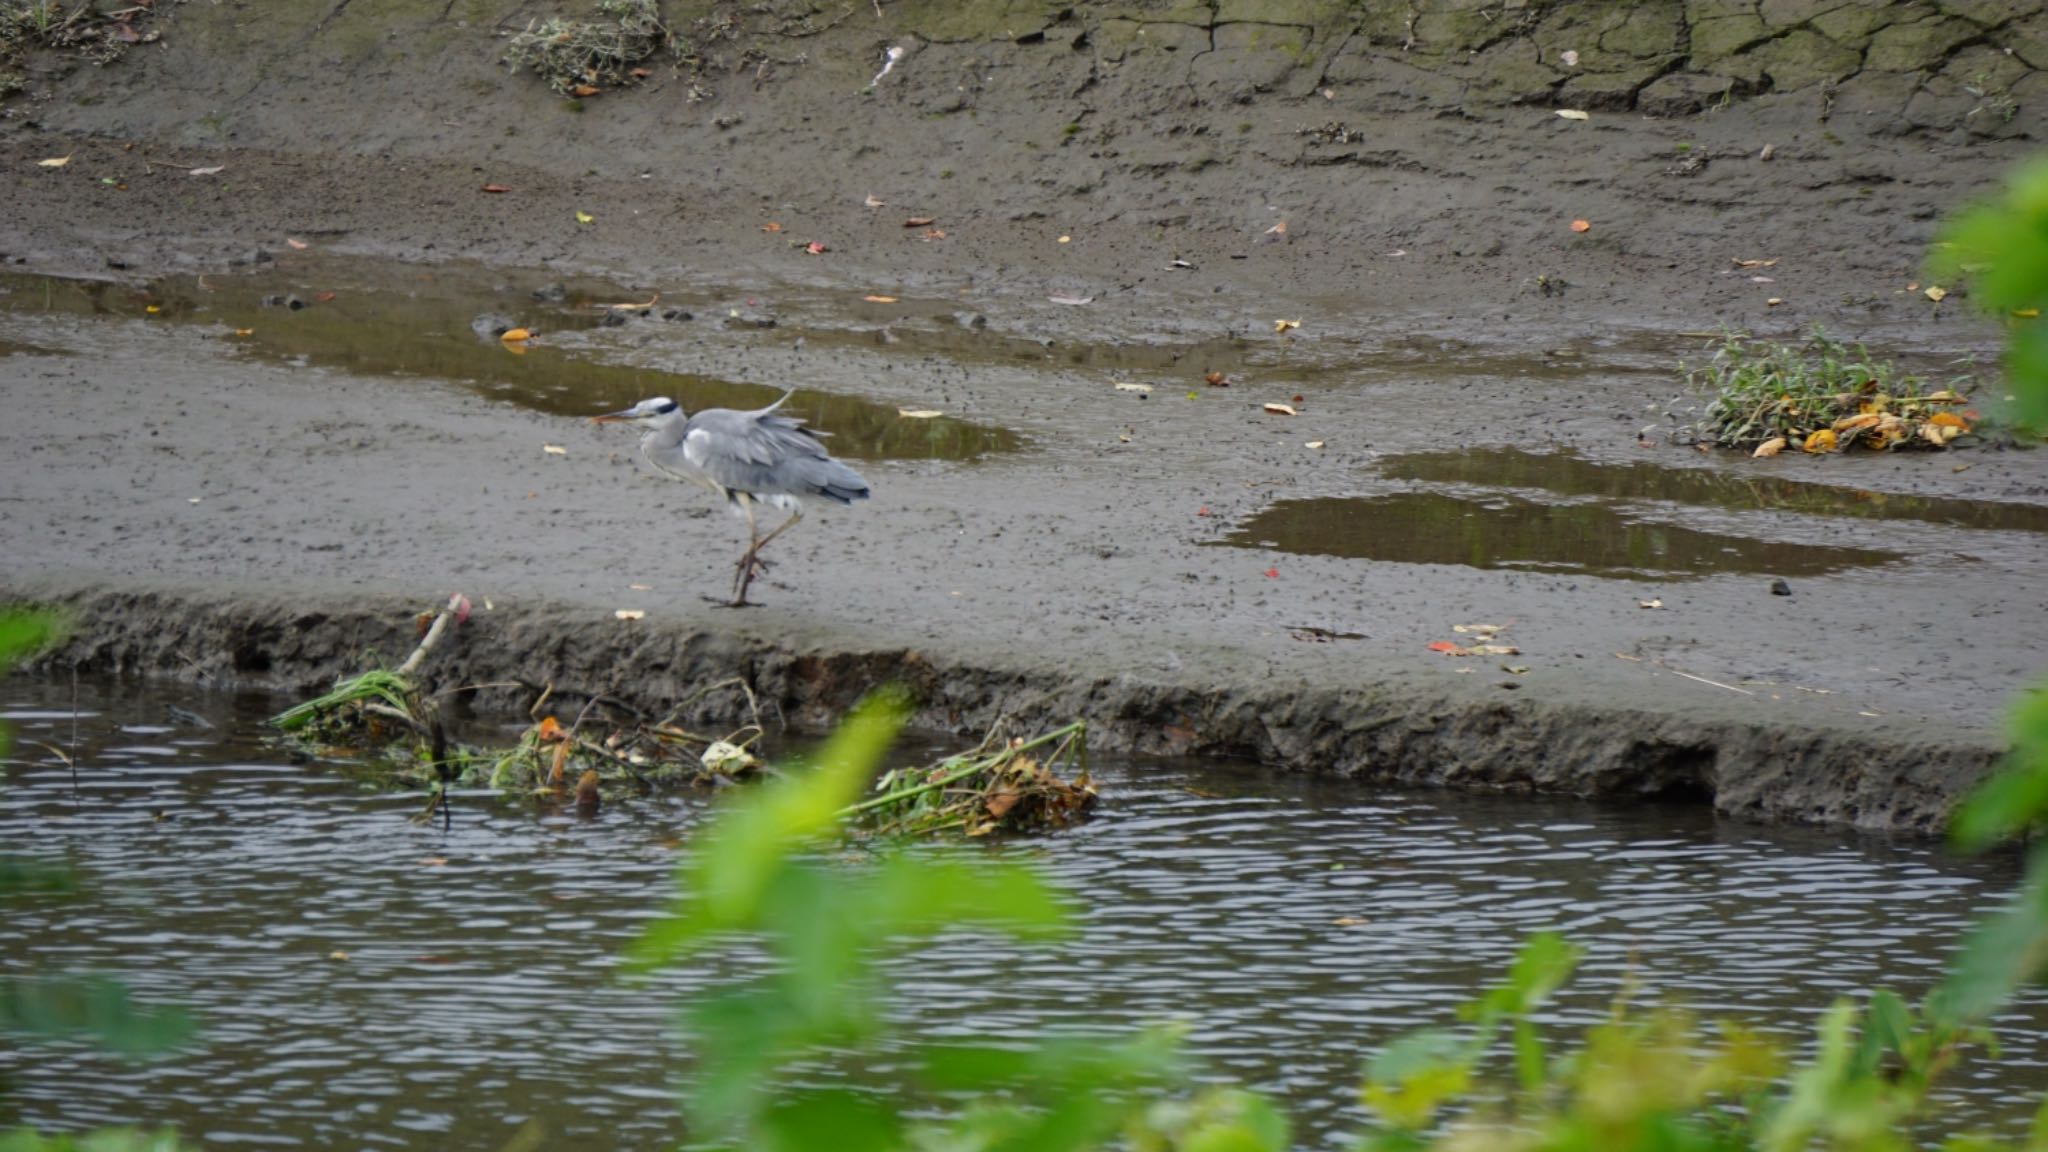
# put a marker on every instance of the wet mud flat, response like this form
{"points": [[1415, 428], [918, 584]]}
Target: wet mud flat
{"points": [[1121, 195], [1164, 559]]}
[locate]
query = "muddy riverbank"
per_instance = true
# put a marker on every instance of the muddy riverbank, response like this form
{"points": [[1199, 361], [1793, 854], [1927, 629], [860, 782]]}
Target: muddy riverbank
{"points": [[268, 508]]}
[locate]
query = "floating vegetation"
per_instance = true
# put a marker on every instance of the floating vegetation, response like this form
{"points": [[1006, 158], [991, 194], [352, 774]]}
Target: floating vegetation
{"points": [[1821, 396], [1004, 785], [385, 718], [581, 57]]}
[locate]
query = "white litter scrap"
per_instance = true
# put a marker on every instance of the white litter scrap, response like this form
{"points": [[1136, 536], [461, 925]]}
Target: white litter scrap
{"points": [[895, 54]]}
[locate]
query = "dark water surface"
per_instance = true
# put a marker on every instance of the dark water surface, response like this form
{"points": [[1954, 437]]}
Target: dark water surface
{"points": [[370, 982]]}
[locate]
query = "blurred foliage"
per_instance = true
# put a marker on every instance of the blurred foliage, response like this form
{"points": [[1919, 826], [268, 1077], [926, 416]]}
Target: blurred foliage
{"points": [[96, 1009], [104, 1140], [2002, 245], [757, 873], [766, 872]]}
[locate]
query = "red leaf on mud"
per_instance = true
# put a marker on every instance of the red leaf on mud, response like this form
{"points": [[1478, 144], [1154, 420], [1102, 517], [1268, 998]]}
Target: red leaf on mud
{"points": [[920, 221], [934, 234], [642, 73], [496, 188], [324, 297], [771, 226], [816, 249], [1582, 225], [1272, 573], [1447, 647], [1217, 380], [1204, 511], [298, 244], [550, 729], [584, 90]]}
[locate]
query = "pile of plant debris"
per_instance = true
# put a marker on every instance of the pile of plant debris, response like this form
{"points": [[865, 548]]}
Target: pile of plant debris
{"points": [[583, 57], [387, 721], [1004, 785], [95, 32], [1822, 396]]}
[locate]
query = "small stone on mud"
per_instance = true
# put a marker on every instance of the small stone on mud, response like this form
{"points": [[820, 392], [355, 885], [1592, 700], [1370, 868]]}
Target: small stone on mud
{"points": [[285, 300], [1780, 588], [551, 293]]}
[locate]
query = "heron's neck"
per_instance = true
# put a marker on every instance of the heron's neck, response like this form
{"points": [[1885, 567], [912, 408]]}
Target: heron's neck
{"points": [[664, 432]]}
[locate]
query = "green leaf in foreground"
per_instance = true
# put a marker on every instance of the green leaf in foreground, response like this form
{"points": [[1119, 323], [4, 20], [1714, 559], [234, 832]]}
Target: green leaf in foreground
{"points": [[92, 1008]]}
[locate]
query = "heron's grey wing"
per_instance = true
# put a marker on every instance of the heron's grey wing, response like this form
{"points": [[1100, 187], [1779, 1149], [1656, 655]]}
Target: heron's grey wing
{"points": [[767, 455]]}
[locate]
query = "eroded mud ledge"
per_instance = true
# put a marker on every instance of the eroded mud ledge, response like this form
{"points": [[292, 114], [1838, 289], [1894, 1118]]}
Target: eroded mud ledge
{"points": [[1871, 780]]}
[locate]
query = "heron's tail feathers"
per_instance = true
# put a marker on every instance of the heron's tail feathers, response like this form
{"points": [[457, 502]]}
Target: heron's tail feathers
{"points": [[832, 480]]}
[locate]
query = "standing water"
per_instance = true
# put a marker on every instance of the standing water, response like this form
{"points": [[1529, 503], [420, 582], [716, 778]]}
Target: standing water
{"points": [[368, 981]]}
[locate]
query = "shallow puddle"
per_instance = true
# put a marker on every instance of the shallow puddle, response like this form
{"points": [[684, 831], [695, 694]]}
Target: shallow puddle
{"points": [[1567, 474], [366, 981], [380, 320], [1510, 532]]}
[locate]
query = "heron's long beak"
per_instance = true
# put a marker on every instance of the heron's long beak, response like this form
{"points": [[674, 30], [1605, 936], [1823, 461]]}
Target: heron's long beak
{"points": [[613, 417]]}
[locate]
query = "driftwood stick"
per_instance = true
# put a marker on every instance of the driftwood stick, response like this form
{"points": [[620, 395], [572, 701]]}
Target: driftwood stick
{"points": [[427, 642]]}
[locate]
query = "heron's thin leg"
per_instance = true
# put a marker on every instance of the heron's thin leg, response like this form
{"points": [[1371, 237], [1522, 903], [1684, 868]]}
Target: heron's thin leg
{"points": [[794, 516], [745, 575]]}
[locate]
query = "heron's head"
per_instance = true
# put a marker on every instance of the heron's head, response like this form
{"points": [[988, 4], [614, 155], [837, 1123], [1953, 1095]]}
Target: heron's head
{"points": [[645, 412]]}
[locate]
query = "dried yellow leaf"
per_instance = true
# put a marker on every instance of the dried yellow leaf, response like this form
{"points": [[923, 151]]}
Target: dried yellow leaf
{"points": [[2027, 313], [1771, 447], [630, 613], [1949, 420], [919, 413], [1280, 409], [1935, 293], [54, 162], [515, 335], [554, 449], [1572, 114], [1857, 423], [1284, 325], [1821, 441]]}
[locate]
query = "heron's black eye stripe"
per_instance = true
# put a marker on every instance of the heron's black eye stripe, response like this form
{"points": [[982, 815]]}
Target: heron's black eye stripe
{"points": [[666, 408]]}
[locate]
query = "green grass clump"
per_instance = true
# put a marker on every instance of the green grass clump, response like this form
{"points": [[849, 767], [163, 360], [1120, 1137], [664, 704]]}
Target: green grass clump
{"points": [[575, 56], [1821, 395]]}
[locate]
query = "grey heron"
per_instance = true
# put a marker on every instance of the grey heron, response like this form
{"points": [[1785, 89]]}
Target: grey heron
{"points": [[757, 457]]}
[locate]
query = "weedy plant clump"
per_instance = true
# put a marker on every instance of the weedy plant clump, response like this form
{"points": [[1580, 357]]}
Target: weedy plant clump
{"points": [[583, 57], [1004, 785], [1821, 396], [73, 26]]}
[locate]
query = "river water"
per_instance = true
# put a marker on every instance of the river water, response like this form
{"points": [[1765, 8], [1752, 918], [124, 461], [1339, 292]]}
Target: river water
{"points": [[369, 981]]}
